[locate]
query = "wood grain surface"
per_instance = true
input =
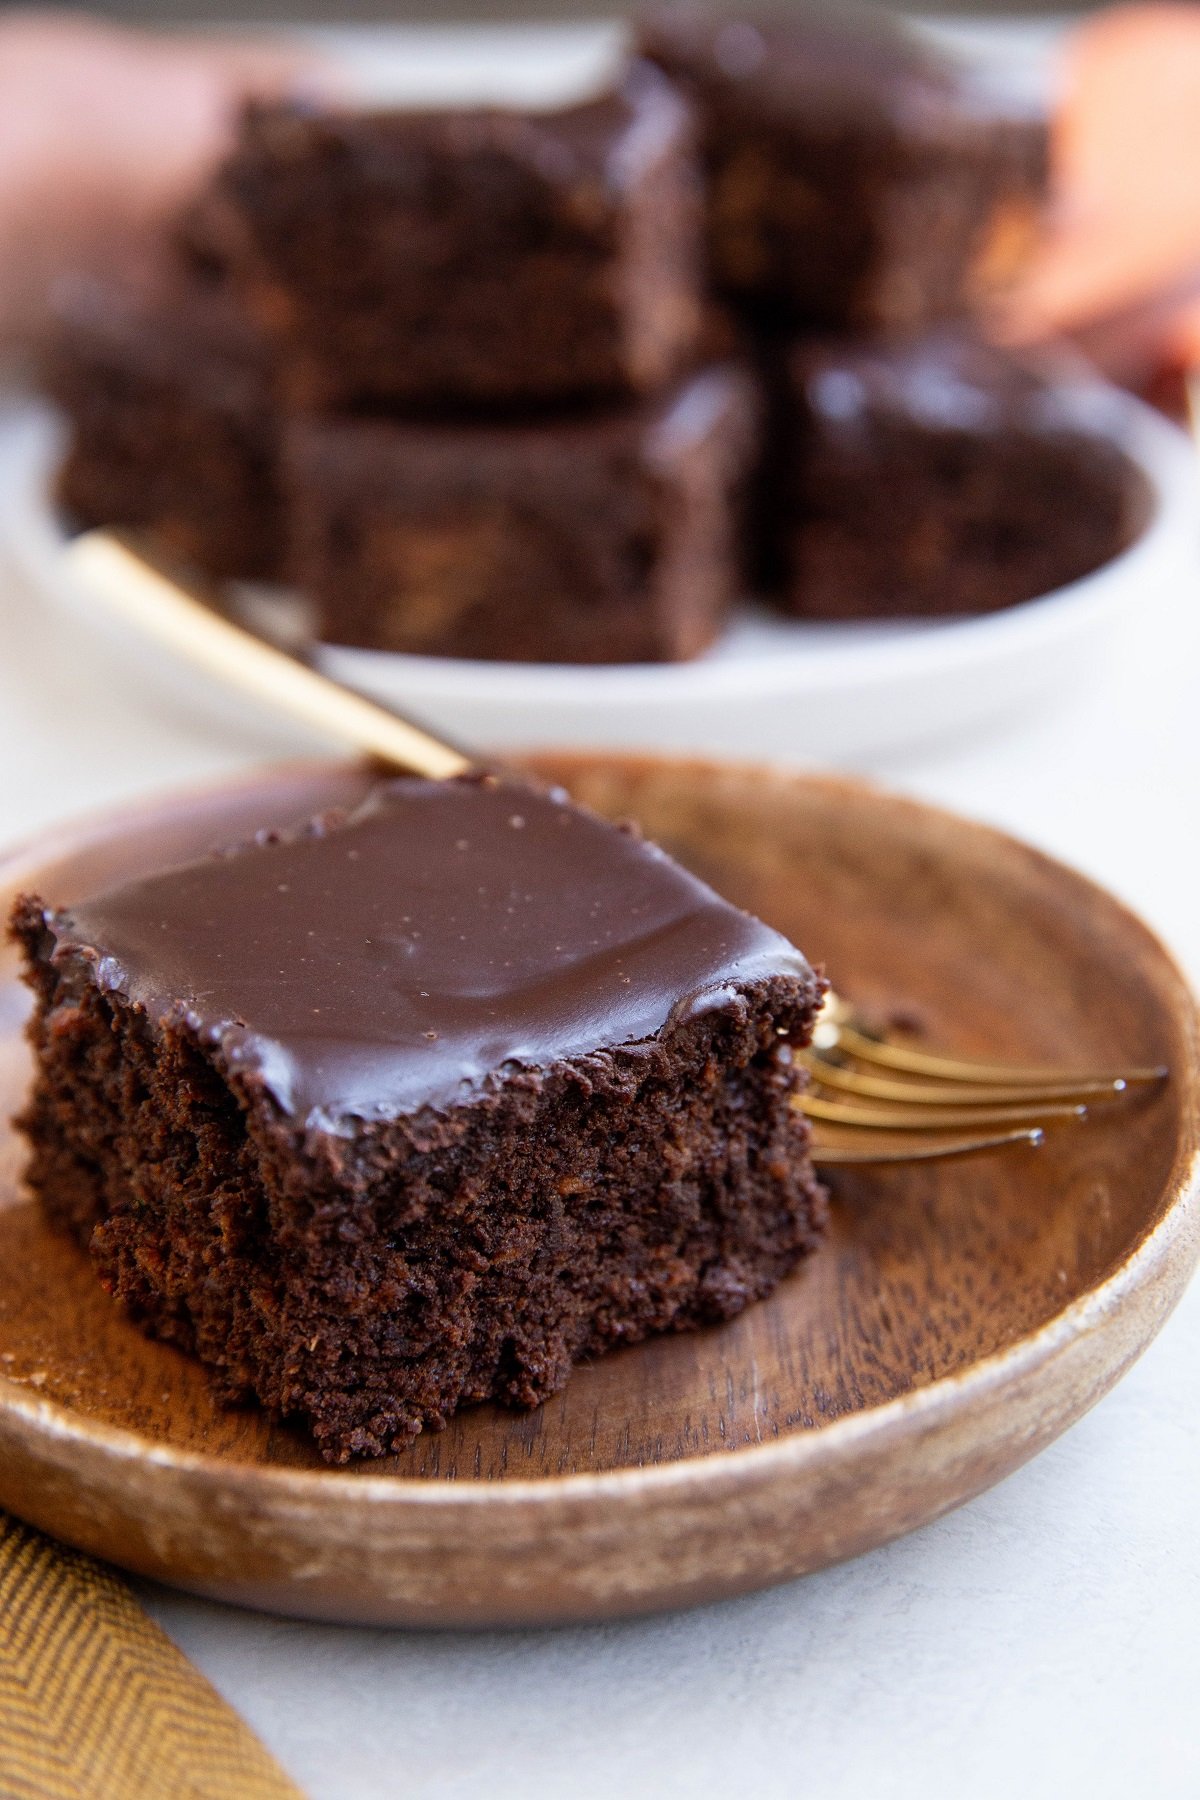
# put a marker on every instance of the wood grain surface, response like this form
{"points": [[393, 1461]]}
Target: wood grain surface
{"points": [[958, 1317]]}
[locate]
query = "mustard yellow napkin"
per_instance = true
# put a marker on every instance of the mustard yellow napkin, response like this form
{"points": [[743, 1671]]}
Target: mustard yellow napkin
{"points": [[96, 1703]]}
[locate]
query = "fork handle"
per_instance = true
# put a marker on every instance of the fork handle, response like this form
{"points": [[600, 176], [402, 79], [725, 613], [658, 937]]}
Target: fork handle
{"points": [[118, 570]]}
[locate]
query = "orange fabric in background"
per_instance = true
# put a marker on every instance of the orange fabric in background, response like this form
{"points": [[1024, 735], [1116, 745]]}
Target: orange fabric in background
{"points": [[1125, 228]]}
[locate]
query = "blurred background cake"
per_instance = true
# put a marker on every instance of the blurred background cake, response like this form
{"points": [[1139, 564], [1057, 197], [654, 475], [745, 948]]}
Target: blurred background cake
{"points": [[567, 384]]}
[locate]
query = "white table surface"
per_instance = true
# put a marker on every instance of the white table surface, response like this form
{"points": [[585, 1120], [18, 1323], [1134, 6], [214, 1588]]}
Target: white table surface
{"points": [[1045, 1640]]}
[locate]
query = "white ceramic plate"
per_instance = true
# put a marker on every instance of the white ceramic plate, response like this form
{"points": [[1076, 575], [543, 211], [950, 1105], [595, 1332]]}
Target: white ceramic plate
{"points": [[829, 694]]}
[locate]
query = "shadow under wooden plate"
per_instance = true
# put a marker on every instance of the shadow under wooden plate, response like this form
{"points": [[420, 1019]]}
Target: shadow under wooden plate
{"points": [[959, 1317]]}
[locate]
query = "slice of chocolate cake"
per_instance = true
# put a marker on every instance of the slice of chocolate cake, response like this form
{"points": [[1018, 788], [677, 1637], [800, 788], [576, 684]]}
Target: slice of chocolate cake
{"points": [[474, 257], [609, 537], [856, 178], [168, 389], [941, 476], [421, 1106]]}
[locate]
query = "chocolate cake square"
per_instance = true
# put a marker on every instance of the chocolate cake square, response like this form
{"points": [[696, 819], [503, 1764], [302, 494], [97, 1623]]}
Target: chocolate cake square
{"points": [[476, 257], [855, 177], [611, 536], [943, 476], [421, 1105], [169, 392]]}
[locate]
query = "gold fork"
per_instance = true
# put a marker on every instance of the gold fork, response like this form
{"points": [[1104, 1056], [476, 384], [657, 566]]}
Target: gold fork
{"points": [[870, 1100], [862, 1083]]}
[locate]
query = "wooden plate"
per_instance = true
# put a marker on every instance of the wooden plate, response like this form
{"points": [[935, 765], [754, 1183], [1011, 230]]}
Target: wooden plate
{"points": [[957, 1320]]}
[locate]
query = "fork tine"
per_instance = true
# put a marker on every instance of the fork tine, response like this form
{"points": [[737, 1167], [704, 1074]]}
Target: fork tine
{"points": [[847, 1155], [948, 1068], [935, 1098], [919, 1093], [896, 1118]]}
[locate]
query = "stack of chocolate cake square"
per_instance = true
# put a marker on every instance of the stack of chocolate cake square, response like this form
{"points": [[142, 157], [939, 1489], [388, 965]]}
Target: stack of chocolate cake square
{"points": [[501, 440], [561, 386], [868, 202]]}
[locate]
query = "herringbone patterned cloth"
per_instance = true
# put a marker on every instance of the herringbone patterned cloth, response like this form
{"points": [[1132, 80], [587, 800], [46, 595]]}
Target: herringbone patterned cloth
{"points": [[96, 1703]]}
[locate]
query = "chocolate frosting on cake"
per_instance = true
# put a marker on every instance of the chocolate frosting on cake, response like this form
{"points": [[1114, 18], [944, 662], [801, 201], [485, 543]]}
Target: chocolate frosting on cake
{"points": [[806, 66], [398, 958], [949, 380]]}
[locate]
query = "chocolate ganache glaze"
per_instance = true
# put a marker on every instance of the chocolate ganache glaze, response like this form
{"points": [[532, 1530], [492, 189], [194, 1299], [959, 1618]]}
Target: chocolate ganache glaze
{"points": [[369, 965]]}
